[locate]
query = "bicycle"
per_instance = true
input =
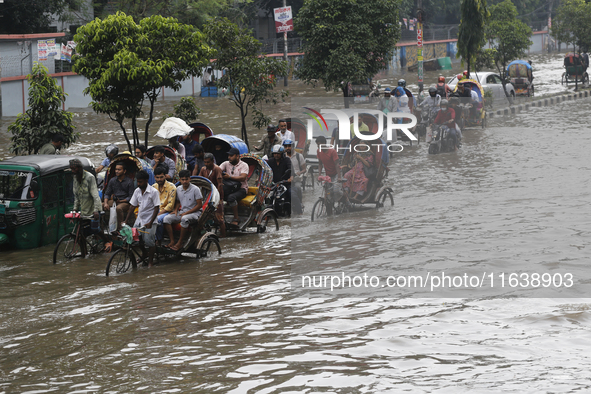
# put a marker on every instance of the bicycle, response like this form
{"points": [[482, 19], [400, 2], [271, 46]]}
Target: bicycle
{"points": [[334, 200], [126, 257], [69, 246]]}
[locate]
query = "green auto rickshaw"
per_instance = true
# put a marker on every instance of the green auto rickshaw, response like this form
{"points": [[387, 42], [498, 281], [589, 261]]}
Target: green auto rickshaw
{"points": [[35, 193]]}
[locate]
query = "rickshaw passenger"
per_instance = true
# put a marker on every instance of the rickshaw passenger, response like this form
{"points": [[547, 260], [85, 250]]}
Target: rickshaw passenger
{"points": [[328, 159], [356, 180], [119, 190], [235, 173], [161, 159], [140, 154], [198, 161], [87, 200], [174, 144], [189, 145], [213, 172], [167, 192], [186, 210], [147, 200]]}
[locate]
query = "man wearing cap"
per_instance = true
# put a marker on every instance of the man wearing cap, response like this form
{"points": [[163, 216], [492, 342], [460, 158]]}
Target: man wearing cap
{"points": [[235, 174], [87, 200], [268, 141], [53, 147], [283, 133]]}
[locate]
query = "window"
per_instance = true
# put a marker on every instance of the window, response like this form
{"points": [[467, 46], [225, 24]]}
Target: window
{"points": [[497, 79], [490, 79], [14, 185]]}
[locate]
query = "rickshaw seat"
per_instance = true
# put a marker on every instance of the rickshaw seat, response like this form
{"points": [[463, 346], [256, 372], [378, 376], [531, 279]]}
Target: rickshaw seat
{"points": [[250, 196], [176, 227]]}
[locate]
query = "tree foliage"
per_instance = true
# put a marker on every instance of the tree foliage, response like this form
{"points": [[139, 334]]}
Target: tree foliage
{"points": [[186, 109], [25, 17], [507, 36], [346, 40], [128, 63], [572, 24], [45, 116], [474, 14], [248, 77]]}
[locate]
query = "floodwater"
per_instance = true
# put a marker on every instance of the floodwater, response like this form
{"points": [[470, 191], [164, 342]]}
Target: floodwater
{"points": [[514, 199]]}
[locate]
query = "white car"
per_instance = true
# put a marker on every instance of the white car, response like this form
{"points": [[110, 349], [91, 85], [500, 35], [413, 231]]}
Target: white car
{"points": [[490, 81]]}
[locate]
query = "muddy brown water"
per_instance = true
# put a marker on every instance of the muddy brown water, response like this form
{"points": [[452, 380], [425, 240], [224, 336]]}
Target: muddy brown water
{"points": [[515, 197]]}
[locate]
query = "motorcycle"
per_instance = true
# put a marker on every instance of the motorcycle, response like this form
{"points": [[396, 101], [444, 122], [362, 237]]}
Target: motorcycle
{"points": [[442, 141], [426, 118], [279, 200]]}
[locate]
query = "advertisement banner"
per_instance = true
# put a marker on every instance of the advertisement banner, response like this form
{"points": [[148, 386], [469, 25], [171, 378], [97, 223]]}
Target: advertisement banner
{"points": [[283, 19], [66, 53], [42, 50]]}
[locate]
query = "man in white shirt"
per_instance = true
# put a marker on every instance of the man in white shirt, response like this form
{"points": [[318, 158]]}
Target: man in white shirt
{"points": [[147, 200], [284, 134], [186, 210]]}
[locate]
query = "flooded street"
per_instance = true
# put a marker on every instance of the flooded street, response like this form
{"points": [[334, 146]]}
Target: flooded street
{"points": [[515, 198]]}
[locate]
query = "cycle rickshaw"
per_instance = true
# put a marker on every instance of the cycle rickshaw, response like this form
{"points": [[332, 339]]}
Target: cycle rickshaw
{"points": [[474, 114], [201, 242], [520, 74], [576, 69], [335, 199]]}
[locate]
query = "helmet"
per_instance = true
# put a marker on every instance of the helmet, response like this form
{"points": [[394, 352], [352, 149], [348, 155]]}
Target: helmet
{"points": [[287, 142], [402, 82], [444, 102], [466, 73], [387, 90], [277, 149], [272, 128], [111, 149], [432, 91], [441, 78]]}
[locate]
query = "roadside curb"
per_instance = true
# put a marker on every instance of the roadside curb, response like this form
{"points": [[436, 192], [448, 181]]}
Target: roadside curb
{"points": [[542, 102]]}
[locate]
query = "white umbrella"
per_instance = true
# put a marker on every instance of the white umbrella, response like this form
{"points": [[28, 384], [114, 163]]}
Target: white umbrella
{"points": [[173, 127]]}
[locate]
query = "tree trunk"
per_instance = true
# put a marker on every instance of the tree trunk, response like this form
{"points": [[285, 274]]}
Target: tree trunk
{"points": [[346, 94], [244, 133], [125, 135], [146, 135]]}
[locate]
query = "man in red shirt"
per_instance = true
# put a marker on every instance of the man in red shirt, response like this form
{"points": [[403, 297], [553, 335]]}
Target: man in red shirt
{"points": [[328, 159], [447, 117]]}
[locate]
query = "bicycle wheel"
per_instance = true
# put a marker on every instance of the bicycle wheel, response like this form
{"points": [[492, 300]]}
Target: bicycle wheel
{"points": [[209, 247], [270, 219], [120, 262], [66, 249], [95, 244], [383, 198], [319, 210]]}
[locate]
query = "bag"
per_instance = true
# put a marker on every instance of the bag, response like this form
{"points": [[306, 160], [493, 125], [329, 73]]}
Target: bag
{"points": [[231, 186], [135, 234], [441, 90], [113, 218]]}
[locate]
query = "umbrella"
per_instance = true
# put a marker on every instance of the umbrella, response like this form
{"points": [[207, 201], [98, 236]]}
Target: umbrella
{"points": [[173, 127]]}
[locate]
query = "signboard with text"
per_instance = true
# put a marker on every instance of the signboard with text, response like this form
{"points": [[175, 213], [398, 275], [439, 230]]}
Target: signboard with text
{"points": [[283, 19]]}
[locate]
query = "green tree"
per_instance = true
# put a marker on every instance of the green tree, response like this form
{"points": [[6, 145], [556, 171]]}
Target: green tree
{"points": [[23, 17], [346, 40], [471, 31], [507, 36], [572, 24], [127, 64], [45, 116], [186, 109], [248, 77]]}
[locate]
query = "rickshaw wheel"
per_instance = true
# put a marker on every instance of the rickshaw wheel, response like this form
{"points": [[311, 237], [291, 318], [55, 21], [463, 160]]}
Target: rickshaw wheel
{"points": [[383, 198], [209, 247], [120, 262], [563, 78], [262, 227], [320, 209], [95, 244], [66, 249]]}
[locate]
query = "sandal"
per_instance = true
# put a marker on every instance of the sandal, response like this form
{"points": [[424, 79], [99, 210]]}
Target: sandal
{"points": [[108, 247]]}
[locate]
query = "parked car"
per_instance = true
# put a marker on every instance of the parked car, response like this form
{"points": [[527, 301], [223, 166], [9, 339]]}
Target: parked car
{"points": [[35, 193], [492, 82]]}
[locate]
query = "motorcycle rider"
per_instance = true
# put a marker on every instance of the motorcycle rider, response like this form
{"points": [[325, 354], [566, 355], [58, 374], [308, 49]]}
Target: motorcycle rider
{"points": [[443, 89], [411, 97], [432, 102], [110, 151], [446, 117], [387, 104]]}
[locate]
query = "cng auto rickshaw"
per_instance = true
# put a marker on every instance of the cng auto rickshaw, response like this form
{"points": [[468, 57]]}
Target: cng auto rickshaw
{"points": [[35, 194]]}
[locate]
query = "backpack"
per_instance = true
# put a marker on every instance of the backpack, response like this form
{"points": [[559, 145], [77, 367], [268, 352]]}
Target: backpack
{"points": [[441, 90]]}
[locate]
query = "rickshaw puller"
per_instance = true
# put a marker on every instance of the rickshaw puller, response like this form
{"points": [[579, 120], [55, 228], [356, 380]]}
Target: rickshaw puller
{"points": [[147, 200]]}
